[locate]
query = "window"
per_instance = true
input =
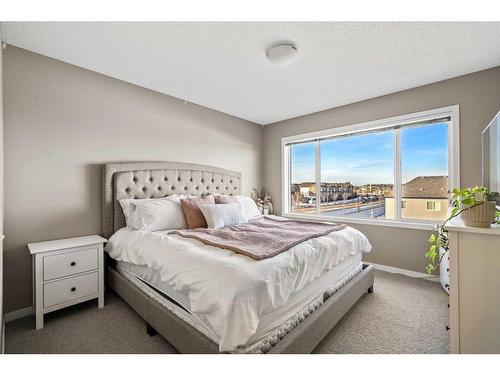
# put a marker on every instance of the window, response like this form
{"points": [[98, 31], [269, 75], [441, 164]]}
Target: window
{"points": [[303, 187], [398, 169], [356, 172], [424, 170], [433, 206]]}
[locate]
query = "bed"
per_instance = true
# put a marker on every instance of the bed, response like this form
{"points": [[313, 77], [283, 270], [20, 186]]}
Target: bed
{"points": [[295, 325]]}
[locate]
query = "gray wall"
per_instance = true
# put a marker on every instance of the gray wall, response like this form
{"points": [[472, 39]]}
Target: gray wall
{"points": [[477, 94], [62, 122]]}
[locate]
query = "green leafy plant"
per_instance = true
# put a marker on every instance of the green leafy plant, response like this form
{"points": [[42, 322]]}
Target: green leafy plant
{"points": [[462, 200]]}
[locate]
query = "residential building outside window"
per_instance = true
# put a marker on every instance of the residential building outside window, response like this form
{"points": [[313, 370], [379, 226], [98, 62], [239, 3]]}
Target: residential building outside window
{"points": [[303, 194]]}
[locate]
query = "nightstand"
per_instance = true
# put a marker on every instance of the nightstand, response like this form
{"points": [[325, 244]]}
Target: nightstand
{"points": [[67, 272]]}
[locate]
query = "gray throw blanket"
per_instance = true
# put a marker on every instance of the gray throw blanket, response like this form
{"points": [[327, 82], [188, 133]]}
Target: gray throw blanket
{"points": [[261, 238]]}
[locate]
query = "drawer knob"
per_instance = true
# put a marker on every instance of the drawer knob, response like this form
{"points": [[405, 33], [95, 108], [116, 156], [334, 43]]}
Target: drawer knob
{"points": [[73, 289], [72, 264]]}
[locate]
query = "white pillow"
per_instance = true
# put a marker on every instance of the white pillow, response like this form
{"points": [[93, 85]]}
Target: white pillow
{"points": [[153, 214], [158, 214], [248, 206], [222, 215]]}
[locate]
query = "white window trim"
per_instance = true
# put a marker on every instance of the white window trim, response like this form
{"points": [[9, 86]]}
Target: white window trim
{"points": [[453, 162]]}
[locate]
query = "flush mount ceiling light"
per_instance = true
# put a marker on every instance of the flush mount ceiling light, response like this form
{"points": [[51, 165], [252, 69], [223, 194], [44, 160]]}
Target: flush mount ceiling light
{"points": [[282, 52]]}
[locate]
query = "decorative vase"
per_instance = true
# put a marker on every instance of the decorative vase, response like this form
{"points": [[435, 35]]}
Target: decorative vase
{"points": [[265, 211], [481, 215]]}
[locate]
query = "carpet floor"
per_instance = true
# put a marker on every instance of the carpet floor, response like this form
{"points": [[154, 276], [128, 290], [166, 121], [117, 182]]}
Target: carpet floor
{"points": [[403, 315]]}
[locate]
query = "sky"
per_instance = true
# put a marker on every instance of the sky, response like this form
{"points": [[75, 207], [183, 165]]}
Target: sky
{"points": [[368, 158]]}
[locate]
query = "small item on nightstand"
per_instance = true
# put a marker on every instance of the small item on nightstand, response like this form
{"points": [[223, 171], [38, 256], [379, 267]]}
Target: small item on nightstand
{"points": [[67, 272]]}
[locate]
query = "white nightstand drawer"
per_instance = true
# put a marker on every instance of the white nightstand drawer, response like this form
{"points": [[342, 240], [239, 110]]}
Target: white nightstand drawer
{"points": [[66, 272], [55, 266], [66, 290]]}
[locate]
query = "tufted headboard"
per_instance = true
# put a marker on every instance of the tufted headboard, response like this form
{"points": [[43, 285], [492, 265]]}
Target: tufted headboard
{"points": [[156, 179]]}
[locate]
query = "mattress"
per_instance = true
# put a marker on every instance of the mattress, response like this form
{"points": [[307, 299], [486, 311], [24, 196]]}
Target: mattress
{"points": [[300, 301], [233, 295]]}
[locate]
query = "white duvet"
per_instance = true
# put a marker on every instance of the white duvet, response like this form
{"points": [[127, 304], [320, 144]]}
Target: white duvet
{"points": [[229, 292]]}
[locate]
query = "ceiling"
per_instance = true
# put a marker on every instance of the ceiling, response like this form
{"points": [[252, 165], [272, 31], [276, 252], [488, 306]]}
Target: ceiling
{"points": [[223, 66]]}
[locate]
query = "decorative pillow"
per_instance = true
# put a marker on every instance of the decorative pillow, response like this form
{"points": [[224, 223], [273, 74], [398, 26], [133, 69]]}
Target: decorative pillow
{"points": [[248, 206], [222, 215], [192, 212], [158, 214], [224, 199]]}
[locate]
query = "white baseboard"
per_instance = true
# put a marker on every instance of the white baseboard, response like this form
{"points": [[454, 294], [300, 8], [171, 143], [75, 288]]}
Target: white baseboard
{"points": [[18, 314], [418, 275]]}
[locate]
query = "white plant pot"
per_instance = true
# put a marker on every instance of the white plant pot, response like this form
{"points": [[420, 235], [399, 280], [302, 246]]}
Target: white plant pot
{"points": [[479, 216]]}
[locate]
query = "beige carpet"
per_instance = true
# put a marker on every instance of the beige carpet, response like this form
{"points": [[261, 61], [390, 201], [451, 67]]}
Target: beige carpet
{"points": [[403, 315]]}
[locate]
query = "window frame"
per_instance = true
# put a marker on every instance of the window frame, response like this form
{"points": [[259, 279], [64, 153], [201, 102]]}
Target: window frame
{"points": [[453, 112]]}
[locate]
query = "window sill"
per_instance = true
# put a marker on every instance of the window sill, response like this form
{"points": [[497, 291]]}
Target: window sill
{"points": [[349, 220]]}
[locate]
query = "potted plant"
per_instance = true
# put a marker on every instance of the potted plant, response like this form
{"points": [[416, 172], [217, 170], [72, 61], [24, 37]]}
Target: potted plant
{"points": [[263, 200], [474, 209]]}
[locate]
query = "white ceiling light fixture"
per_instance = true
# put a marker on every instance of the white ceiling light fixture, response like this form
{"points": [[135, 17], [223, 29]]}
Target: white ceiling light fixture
{"points": [[282, 52]]}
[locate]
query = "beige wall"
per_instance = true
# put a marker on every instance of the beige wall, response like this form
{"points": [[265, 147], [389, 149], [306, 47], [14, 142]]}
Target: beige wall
{"points": [[416, 208], [62, 122], [477, 94]]}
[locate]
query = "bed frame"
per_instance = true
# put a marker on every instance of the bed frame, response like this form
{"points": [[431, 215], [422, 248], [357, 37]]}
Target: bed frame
{"points": [[158, 179]]}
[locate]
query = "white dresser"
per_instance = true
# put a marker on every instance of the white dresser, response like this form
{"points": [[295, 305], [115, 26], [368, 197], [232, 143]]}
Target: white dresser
{"points": [[474, 288], [67, 272]]}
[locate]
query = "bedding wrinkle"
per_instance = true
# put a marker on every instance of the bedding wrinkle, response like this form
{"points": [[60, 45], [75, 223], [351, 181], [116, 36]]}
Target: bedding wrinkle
{"points": [[263, 237], [228, 292]]}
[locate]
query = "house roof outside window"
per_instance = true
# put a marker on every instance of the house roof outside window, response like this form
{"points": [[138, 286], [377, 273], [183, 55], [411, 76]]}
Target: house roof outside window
{"points": [[428, 187]]}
